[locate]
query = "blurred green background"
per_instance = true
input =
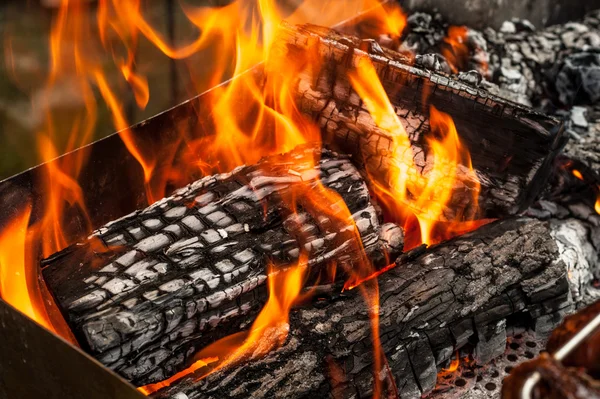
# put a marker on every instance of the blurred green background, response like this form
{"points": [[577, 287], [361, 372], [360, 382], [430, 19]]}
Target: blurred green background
{"points": [[25, 28]]}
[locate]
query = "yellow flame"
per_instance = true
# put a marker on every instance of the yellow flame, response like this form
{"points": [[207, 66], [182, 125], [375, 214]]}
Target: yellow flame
{"points": [[426, 194], [14, 286]]}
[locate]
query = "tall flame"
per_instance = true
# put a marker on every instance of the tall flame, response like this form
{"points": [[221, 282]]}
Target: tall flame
{"points": [[411, 192], [252, 116], [269, 330], [15, 280]]}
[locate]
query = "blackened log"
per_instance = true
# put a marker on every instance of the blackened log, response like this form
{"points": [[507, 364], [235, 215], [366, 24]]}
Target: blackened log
{"points": [[510, 146], [150, 289], [468, 289]]}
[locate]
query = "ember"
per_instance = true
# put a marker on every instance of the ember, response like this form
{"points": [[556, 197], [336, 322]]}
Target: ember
{"points": [[353, 211]]}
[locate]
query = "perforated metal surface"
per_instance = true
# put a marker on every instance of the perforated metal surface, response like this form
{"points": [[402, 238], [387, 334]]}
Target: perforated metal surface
{"points": [[472, 382]]}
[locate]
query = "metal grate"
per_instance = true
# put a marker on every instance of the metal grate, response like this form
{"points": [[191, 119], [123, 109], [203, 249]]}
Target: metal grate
{"points": [[485, 382]]}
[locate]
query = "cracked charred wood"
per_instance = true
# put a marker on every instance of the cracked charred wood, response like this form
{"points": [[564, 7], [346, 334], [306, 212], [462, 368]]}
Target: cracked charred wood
{"points": [[146, 291], [469, 289], [510, 146]]}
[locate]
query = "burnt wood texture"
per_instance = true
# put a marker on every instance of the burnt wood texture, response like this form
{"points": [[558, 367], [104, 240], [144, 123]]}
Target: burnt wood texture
{"points": [[144, 291], [511, 146], [469, 289]]}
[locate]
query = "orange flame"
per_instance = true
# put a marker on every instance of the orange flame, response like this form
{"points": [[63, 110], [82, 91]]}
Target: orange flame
{"points": [[15, 279], [454, 363], [252, 116], [425, 194], [457, 51], [269, 330], [578, 175]]}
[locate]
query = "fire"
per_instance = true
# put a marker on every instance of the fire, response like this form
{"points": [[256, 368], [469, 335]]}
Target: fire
{"points": [[269, 330], [578, 175], [457, 50], [454, 363], [252, 116], [385, 18], [410, 192], [197, 365], [14, 278]]}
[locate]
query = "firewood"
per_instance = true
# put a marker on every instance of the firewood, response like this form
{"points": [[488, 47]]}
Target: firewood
{"points": [[510, 146], [469, 289], [146, 291]]}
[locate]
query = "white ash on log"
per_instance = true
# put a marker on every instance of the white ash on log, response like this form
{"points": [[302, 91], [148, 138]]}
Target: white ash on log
{"points": [[571, 199], [469, 289], [510, 146], [150, 289]]}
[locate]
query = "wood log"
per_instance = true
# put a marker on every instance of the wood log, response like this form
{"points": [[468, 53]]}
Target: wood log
{"points": [[145, 291], [510, 146], [469, 289]]}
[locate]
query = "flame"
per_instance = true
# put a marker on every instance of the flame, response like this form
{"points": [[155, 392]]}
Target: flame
{"points": [[15, 279], [457, 53], [413, 194], [384, 18], [578, 175], [454, 363], [197, 365], [457, 50], [252, 116], [269, 330]]}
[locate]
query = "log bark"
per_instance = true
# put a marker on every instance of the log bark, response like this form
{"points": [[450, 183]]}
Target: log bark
{"points": [[510, 146], [148, 290], [469, 289]]}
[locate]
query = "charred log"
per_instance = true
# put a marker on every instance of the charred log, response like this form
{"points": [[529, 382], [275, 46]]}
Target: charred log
{"points": [[150, 289], [510, 146], [436, 300]]}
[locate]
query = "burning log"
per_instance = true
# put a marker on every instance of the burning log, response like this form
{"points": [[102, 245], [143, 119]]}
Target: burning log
{"points": [[148, 290], [510, 146], [469, 289]]}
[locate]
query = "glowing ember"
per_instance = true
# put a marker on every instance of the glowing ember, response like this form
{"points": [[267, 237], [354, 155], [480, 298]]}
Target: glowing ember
{"points": [[578, 175]]}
